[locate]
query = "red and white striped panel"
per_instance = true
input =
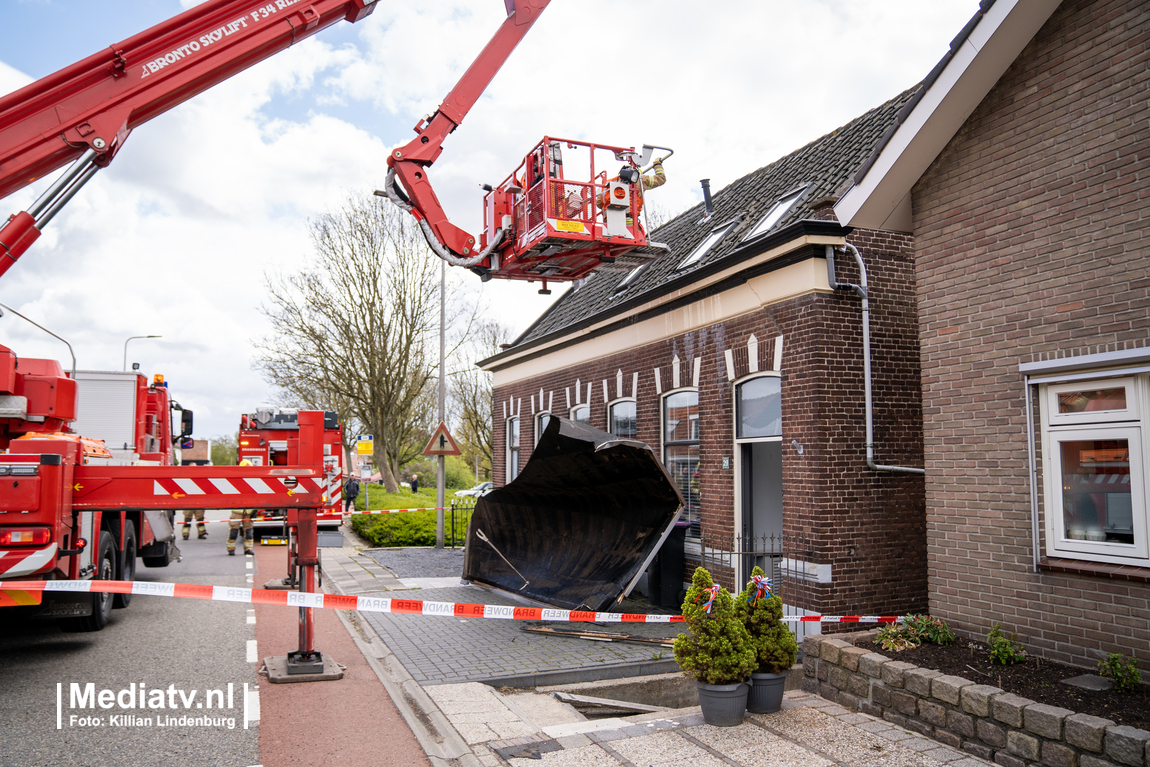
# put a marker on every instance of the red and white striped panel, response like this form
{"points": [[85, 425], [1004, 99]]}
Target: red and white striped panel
{"points": [[17, 562], [186, 486]]}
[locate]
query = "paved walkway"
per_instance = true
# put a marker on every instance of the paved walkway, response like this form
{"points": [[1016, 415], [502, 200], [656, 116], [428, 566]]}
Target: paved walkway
{"points": [[432, 665]]}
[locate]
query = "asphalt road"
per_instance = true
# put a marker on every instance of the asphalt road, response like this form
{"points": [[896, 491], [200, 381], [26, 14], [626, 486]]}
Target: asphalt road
{"points": [[173, 645]]}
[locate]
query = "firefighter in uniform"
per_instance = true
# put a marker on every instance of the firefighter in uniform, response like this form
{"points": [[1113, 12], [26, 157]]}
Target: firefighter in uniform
{"points": [[240, 518], [199, 515], [649, 181]]}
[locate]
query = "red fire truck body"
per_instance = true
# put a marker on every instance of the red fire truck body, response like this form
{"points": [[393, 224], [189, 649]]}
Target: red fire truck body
{"points": [[270, 437], [138, 423]]}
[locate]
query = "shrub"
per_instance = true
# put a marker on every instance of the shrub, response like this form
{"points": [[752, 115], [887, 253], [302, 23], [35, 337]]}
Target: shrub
{"points": [[913, 631], [897, 637], [1120, 670], [774, 644], [1004, 649], [718, 650], [930, 630]]}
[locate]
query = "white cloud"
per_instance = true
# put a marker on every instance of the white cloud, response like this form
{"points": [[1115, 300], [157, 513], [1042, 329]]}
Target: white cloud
{"points": [[175, 237]]}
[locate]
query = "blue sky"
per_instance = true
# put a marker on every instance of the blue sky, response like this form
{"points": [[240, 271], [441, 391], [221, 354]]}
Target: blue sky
{"points": [[176, 236]]}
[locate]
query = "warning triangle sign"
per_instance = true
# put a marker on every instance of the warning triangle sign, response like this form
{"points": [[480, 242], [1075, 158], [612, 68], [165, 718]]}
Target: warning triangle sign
{"points": [[441, 442]]}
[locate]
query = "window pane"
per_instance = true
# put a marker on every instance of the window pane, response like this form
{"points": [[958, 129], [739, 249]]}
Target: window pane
{"points": [[1092, 400], [760, 408], [1096, 500], [622, 420], [541, 422], [581, 414], [682, 461], [512, 449], [681, 417]]}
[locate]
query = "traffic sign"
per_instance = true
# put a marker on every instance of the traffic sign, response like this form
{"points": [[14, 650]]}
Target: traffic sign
{"points": [[441, 442], [365, 444]]}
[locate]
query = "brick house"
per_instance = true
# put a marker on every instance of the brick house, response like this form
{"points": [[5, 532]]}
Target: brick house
{"points": [[735, 359], [1022, 170]]}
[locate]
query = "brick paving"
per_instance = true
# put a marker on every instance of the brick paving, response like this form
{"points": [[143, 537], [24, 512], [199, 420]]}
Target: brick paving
{"points": [[446, 650], [446, 656]]}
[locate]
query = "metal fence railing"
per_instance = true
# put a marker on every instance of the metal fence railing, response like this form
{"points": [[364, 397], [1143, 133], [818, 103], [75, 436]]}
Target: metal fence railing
{"points": [[461, 510], [786, 559]]}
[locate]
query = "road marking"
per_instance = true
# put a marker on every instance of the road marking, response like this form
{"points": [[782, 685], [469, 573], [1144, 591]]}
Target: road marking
{"points": [[251, 617], [248, 564], [251, 705], [253, 654]]}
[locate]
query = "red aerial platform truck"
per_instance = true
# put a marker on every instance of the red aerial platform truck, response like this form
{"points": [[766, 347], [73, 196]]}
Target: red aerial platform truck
{"points": [[63, 516]]}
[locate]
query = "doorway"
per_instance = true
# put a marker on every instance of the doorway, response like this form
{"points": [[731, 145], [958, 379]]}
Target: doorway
{"points": [[761, 470]]}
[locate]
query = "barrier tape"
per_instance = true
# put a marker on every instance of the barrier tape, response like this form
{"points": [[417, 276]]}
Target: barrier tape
{"points": [[181, 523], [384, 604], [396, 511]]}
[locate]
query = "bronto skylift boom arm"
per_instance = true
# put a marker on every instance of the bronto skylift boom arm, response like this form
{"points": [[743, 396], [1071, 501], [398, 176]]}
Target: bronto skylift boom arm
{"points": [[84, 112], [410, 162]]}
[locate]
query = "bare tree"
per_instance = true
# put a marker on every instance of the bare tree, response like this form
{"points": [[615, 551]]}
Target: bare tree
{"points": [[355, 330], [471, 394]]}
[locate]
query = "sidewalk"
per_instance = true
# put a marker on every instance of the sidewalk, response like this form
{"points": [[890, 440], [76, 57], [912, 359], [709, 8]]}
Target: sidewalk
{"points": [[430, 666]]}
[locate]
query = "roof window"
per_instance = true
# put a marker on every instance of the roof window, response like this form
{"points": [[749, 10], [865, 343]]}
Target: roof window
{"points": [[780, 209], [629, 280], [705, 246]]}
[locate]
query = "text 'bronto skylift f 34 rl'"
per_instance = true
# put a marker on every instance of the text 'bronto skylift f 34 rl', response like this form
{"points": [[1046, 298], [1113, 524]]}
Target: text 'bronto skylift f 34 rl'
{"points": [[549, 220]]}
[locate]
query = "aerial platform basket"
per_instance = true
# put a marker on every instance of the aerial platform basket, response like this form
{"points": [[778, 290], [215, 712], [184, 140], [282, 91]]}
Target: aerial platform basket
{"points": [[568, 209]]}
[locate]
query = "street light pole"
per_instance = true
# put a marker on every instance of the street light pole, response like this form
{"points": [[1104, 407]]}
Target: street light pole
{"points": [[126, 348], [439, 460]]}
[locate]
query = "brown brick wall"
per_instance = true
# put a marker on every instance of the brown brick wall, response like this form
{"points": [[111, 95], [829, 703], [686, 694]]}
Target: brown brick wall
{"points": [[868, 526], [1029, 238]]}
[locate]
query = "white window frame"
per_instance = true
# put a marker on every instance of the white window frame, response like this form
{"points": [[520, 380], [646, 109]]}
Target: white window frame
{"points": [[537, 427], [735, 407], [512, 467], [1124, 424], [571, 413], [783, 205], [630, 278], [617, 401], [703, 248], [663, 430]]}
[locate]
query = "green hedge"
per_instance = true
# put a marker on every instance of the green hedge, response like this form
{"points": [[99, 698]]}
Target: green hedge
{"points": [[409, 528]]}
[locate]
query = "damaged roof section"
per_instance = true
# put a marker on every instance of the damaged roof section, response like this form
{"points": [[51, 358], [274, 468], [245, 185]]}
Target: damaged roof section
{"points": [[578, 525]]}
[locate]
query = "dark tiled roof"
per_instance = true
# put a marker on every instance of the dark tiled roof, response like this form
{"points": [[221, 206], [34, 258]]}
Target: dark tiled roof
{"points": [[822, 168]]}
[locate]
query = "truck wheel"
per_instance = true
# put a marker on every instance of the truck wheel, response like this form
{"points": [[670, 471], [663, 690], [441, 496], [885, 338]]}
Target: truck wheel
{"points": [[101, 602], [162, 559], [127, 569]]}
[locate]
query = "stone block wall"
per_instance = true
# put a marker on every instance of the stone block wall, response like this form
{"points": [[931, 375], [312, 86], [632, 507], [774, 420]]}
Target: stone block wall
{"points": [[980, 719]]}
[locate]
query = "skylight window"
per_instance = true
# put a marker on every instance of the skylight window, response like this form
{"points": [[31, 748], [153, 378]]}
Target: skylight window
{"points": [[629, 279], [780, 209], [705, 246]]}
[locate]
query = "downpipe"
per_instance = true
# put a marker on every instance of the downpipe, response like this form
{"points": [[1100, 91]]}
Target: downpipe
{"points": [[862, 292]]}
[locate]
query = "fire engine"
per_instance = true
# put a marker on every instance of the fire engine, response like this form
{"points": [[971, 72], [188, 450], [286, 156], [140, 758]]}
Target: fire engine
{"points": [[64, 514], [270, 437]]}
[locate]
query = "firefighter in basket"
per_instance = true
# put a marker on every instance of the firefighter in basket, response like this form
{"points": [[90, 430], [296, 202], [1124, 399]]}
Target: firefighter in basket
{"points": [[629, 174], [241, 518]]}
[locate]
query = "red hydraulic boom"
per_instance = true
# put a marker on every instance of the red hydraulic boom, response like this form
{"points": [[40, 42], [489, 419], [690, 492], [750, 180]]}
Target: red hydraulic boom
{"points": [[86, 111], [543, 222]]}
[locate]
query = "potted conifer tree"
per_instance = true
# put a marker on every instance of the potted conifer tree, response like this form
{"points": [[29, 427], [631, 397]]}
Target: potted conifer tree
{"points": [[717, 653], [773, 643]]}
